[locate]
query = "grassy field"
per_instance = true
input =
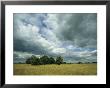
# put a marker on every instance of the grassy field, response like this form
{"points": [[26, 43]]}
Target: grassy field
{"points": [[63, 69]]}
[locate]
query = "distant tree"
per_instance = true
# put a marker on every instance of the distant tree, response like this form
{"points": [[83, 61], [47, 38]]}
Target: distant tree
{"points": [[64, 62], [35, 60], [51, 60], [79, 62], [59, 60], [20, 63], [94, 62], [44, 60], [28, 61]]}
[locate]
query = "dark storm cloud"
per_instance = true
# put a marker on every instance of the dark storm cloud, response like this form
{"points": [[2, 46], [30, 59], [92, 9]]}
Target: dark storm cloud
{"points": [[24, 46], [80, 29]]}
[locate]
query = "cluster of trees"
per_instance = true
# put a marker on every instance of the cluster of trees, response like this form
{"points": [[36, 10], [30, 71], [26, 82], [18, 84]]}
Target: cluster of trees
{"points": [[44, 60]]}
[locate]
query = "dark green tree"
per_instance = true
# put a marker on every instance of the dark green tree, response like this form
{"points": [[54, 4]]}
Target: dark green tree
{"points": [[64, 62], [44, 60], [51, 60], [28, 61], [59, 60], [35, 60], [79, 62]]}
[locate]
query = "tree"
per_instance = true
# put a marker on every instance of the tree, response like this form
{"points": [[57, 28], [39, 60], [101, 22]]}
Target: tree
{"points": [[28, 61], [51, 60], [59, 60], [64, 62], [44, 59], [79, 62], [94, 62], [35, 60]]}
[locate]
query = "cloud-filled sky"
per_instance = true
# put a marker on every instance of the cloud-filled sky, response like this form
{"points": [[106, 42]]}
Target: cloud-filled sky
{"points": [[71, 35]]}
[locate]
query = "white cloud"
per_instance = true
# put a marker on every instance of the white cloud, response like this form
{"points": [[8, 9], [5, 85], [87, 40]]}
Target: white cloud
{"points": [[59, 50], [30, 34]]}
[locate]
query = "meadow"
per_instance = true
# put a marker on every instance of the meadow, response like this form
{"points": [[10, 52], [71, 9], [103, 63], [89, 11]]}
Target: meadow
{"points": [[54, 69]]}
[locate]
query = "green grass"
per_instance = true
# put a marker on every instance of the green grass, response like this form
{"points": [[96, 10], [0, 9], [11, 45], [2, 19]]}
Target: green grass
{"points": [[63, 69]]}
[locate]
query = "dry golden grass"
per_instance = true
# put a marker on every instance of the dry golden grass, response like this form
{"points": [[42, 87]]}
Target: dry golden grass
{"points": [[63, 69]]}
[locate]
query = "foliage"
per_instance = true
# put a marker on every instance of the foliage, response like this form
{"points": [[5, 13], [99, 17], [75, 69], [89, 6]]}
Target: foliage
{"points": [[59, 60], [51, 60], [44, 60], [35, 60], [28, 61], [79, 62], [64, 63]]}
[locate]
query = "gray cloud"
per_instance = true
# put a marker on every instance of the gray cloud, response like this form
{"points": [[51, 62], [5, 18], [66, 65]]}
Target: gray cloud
{"points": [[80, 29], [70, 35]]}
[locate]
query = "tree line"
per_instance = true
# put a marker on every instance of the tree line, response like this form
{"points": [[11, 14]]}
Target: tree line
{"points": [[44, 60]]}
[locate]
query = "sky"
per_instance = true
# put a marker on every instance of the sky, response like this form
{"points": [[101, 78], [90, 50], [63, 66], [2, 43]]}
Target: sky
{"points": [[70, 35]]}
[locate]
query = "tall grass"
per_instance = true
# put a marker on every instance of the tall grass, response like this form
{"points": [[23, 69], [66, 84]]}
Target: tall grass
{"points": [[63, 69]]}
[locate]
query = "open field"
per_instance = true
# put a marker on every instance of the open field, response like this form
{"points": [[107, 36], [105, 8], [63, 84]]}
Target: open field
{"points": [[63, 69]]}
